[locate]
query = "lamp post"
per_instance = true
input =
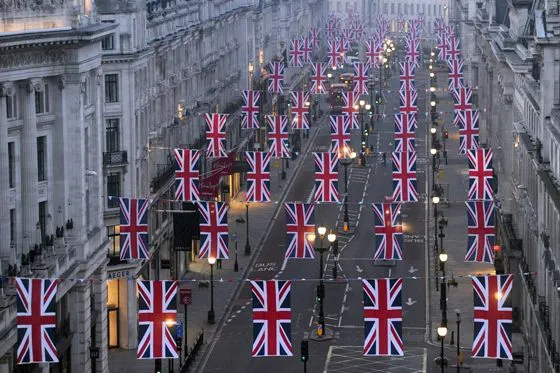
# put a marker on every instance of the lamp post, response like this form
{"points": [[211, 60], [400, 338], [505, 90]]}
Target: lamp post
{"points": [[362, 103], [443, 294], [251, 70], [171, 324], [247, 244], [346, 162], [368, 108], [211, 313], [459, 360], [442, 332], [435, 201], [433, 152]]}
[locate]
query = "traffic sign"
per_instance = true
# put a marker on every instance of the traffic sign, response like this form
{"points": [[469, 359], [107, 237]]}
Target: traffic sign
{"points": [[186, 296], [179, 330]]}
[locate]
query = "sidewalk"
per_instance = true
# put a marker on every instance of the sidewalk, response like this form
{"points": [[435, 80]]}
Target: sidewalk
{"points": [[226, 280], [460, 298]]}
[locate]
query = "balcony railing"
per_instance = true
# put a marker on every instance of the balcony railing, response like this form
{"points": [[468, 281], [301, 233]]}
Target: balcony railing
{"points": [[164, 173], [115, 158]]}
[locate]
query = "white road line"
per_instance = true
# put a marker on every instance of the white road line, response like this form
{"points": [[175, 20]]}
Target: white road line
{"points": [[327, 361], [311, 321], [425, 361]]}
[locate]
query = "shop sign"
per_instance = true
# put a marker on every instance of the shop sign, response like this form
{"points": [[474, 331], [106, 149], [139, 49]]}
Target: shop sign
{"points": [[124, 273]]}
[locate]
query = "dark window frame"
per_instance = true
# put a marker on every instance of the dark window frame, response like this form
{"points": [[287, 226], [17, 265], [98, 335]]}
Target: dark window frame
{"points": [[42, 158], [114, 236], [12, 164], [111, 88], [113, 189], [112, 135]]}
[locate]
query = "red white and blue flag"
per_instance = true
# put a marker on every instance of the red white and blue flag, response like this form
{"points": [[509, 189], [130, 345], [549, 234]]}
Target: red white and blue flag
{"points": [[388, 231], [407, 76], [383, 317], [318, 78], [468, 129], [343, 47], [295, 54], [157, 308], [300, 221], [276, 77], [453, 51], [314, 37], [408, 101], [493, 315], [326, 177], [300, 110], [412, 49], [480, 174], [340, 135], [455, 74], [36, 320], [258, 176], [306, 49], [134, 228], [405, 127], [250, 109], [463, 97], [442, 47], [481, 231], [334, 53], [187, 172], [272, 318], [350, 109], [360, 78], [401, 22], [278, 136], [373, 53], [404, 177], [213, 230], [216, 135]]}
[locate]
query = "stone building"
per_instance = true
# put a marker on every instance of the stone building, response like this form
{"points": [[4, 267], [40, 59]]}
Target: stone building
{"points": [[512, 52], [410, 9]]}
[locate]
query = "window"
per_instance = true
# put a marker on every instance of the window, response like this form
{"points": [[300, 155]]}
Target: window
{"points": [[12, 226], [111, 88], [11, 107], [114, 234], [12, 164], [112, 135], [42, 100], [108, 43], [392, 8], [43, 219], [41, 158], [113, 189]]}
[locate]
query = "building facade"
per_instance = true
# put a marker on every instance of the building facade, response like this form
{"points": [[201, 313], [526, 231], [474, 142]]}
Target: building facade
{"points": [[411, 9], [512, 51]]}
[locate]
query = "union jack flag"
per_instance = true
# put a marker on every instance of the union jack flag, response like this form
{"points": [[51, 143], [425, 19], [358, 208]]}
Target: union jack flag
{"points": [[463, 97], [358, 31], [340, 135], [407, 76], [383, 317], [468, 130], [480, 174], [300, 110], [299, 223], [278, 136], [404, 177], [401, 22], [480, 217], [388, 231], [453, 51], [216, 135], [213, 230], [408, 101], [318, 78], [492, 317], [405, 127], [334, 53], [187, 165], [295, 54], [314, 36], [349, 109], [276, 77], [442, 47], [157, 307], [412, 49], [360, 78], [347, 34], [373, 53], [330, 29], [326, 177], [306, 49], [455, 74], [134, 228], [250, 109], [258, 176], [343, 47], [36, 320], [439, 26], [272, 318]]}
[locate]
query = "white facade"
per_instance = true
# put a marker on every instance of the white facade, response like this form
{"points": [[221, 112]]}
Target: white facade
{"points": [[411, 9], [512, 57], [366, 9]]}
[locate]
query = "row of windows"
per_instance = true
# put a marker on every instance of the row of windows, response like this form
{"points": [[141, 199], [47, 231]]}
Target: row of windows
{"points": [[43, 215], [41, 161], [42, 103], [435, 10]]}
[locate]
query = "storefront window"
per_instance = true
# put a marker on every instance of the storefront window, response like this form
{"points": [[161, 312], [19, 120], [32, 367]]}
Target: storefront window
{"points": [[113, 312], [114, 234]]}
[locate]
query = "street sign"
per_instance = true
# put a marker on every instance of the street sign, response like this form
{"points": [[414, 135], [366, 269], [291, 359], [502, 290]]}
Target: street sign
{"points": [[179, 330], [186, 295]]}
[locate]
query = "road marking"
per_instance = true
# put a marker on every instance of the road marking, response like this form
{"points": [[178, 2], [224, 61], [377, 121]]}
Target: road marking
{"points": [[327, 361]]}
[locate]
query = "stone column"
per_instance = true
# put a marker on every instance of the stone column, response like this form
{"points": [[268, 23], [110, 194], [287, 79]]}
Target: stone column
{"points": [[100, 291], [81, 325], [5, 251], [28, 156]]}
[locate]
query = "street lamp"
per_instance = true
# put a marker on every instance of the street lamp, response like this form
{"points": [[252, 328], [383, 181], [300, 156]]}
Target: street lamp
{"points": [[432, 75], [334, 243], [211, 313], [432, 89], [443, 293], [433, 130], [363, 137], [251, 69], [435, 201], [346, 162], [170, 323], [433, 152], [442, 332], [432, 103], [247, 244], [321, 230], [329, 75], [459, 360], [368, 108]]}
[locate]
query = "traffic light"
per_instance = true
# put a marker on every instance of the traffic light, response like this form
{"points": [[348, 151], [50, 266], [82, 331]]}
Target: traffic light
{"points": [[304, 350], [446, 134], [320, 292]]}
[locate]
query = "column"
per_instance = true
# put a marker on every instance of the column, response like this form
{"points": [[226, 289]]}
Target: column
{"points": [[28, 156], [5, 251], [100, 290], [81, 325]]}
